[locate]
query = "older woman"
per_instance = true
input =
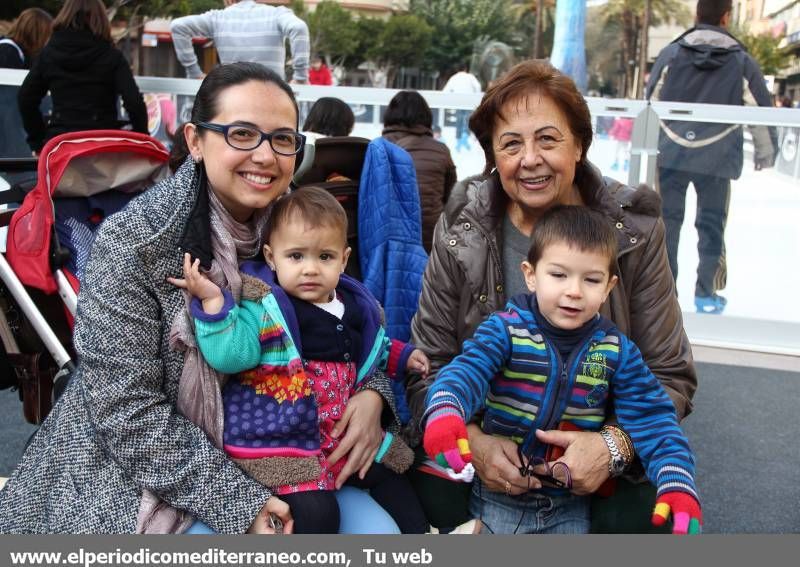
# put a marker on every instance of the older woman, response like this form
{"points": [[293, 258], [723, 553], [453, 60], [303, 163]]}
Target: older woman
{"points": [[135, 442], [535, 129]]}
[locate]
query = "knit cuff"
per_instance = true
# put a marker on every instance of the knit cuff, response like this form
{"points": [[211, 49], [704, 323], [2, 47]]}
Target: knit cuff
{"points": [[672, 478], [196, 309], [394, 454], [441, 404], [194, 71], [398, 360]]}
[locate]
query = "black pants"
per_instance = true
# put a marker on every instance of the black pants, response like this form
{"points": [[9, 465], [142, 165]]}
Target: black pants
{"points": [[395, 495], [313, 511], [317, 512], [713, 199]]}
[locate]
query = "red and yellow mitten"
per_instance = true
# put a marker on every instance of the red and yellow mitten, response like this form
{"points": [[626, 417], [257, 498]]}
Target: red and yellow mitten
{"points": [[445, 440], [685, 510]]}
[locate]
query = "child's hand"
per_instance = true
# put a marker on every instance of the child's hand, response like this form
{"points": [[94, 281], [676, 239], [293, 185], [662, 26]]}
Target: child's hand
{"points": [[445, 440], [199, 286], [685, 510], [418, 362]]}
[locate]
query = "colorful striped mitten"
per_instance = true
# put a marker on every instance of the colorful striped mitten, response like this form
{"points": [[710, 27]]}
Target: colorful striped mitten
{"points": [[685, 509], [445, 439]]}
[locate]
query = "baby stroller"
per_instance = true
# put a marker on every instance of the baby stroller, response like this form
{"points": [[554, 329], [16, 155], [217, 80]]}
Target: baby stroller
{"points": [[82, 177], [335, 164]]}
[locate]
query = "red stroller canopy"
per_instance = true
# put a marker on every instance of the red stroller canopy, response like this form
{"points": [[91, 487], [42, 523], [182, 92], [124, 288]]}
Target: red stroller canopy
{"points": [[77, 164]]}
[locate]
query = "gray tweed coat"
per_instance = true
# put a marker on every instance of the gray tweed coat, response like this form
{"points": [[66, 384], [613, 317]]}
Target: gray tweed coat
{"points": [[115, 430]]}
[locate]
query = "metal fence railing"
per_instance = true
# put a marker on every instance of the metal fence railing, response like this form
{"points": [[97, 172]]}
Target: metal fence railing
{"points": [[762, 234]]}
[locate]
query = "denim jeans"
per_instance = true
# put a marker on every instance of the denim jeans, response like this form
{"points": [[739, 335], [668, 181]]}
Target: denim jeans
{"points": [[531, 513]]}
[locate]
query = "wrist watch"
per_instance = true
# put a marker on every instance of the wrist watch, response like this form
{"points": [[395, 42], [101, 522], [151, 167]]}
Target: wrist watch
{"points": [[616, 465]]}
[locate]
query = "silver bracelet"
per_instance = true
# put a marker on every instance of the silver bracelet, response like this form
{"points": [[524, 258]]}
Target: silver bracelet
{"points": [[616, 464]]}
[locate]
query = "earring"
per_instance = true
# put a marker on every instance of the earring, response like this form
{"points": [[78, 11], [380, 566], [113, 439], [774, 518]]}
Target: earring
{"points": [[197, 159]]}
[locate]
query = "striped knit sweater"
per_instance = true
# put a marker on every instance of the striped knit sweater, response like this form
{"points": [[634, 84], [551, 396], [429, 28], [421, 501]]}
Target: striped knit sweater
{"points": [[246, 31], [511, 369]]}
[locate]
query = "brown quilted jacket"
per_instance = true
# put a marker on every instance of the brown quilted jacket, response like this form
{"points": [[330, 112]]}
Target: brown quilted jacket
{"points": [[436, 173], [463, 281]]}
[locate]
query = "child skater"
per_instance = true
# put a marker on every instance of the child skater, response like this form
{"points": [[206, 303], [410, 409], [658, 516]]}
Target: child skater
{"points": [[551, 361], [296, 348]]}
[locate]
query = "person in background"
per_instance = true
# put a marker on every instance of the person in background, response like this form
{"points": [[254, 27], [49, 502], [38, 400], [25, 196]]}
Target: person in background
{"points": [[25, 40], [786, 102], [621, 132], [319, 74], [706, 64], [462, 82], [329, 116], [407, 123], [84, 73], [535, 130], [248, 30]]}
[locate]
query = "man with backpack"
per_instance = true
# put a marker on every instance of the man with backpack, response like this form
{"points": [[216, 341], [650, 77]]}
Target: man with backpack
{"points": [[706, 64]]}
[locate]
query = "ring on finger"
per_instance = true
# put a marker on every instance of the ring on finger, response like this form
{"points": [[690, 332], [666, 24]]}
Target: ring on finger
{"points": [[508, 488]]}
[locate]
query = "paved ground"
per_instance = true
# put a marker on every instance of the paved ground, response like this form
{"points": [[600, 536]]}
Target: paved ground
{"points": [[744, 431]]}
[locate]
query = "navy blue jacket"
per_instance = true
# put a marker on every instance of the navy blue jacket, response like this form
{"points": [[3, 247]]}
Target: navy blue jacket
{"points": [[708, 65]]}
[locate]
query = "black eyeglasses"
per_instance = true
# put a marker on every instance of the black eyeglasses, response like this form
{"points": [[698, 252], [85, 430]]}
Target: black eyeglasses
{"points": [[245, 138]]}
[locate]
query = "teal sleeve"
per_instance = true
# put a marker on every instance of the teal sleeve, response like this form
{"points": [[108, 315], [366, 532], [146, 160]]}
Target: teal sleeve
{"points": [[232, 345], [383, 357]]}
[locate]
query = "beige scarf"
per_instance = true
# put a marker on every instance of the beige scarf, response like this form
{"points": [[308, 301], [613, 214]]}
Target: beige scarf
{"points": [[199, 391]]}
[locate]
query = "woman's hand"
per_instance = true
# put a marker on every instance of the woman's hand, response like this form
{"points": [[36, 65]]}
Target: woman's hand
{"points": [[199, 286], [361, 425], [586, 455], [263, 523], [496, 461]]}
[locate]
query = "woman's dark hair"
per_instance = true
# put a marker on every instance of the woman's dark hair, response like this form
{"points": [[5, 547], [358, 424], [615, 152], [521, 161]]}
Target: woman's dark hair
{"points": [[408, 108], [205, 101], [330, 116], [84, 15], [31, 30], [526, 78], [710, 12]]}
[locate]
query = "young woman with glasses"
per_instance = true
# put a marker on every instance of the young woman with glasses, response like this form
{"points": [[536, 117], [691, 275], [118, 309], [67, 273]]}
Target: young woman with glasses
{"points": [[135, 442]]}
